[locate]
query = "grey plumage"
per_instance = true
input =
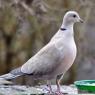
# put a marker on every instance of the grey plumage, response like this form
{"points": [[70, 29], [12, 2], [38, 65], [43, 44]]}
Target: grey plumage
{"points": [[13, 74], [56, 57]]}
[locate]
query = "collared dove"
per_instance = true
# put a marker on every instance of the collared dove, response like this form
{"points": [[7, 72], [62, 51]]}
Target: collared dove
{"points": [[55, 58]]}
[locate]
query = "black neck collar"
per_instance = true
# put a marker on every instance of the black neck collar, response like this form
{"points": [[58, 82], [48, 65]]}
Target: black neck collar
{"points": [[63, 29]]}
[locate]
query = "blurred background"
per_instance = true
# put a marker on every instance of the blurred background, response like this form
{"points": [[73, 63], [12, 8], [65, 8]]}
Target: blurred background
{"points": [[27, 25]]}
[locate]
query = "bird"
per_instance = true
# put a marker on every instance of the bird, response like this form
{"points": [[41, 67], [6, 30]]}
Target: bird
{"points": [[55, 58]]}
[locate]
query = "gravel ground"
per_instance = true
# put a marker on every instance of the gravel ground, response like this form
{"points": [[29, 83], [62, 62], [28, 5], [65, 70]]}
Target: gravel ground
{"points": [[27, 90]]}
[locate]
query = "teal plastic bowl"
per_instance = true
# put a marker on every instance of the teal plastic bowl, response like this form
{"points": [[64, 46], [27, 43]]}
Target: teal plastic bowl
{"points": [[87, 85]]}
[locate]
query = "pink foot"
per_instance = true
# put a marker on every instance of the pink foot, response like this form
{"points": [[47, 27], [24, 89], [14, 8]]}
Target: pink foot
{"points": [[58, 93], [49, 90]]}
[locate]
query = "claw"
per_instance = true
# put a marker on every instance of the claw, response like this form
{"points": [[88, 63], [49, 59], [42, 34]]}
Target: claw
{"points": [[58, 93]]}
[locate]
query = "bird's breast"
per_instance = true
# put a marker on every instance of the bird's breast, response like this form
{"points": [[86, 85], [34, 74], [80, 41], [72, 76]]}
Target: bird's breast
{"points": [[68, 54]]}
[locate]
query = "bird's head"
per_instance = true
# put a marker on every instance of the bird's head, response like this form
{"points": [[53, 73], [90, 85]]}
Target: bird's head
{"points": [[72, 17]]}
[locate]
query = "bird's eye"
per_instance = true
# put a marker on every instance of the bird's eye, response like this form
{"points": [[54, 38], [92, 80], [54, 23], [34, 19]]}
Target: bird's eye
{"points": [[74, 16]]}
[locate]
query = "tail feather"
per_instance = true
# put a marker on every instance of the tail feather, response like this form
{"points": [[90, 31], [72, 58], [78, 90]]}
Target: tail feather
{"points": [[8, 76], [13, 74]]}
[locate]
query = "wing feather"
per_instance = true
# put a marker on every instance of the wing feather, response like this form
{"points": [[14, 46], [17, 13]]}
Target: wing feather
{"points": [[44, 62]]}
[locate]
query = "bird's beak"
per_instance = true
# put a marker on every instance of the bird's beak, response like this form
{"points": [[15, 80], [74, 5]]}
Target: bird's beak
{"points": [[81, 20]]}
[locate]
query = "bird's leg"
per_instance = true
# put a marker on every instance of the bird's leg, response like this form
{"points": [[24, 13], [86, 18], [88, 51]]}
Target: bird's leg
{"points": [[49, 89], [58, 91], [58, 86]]}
